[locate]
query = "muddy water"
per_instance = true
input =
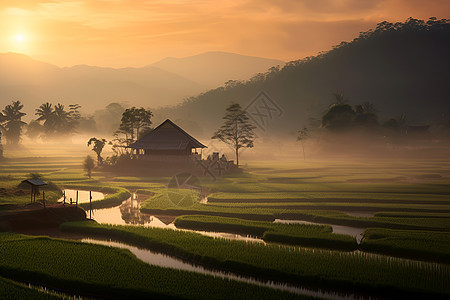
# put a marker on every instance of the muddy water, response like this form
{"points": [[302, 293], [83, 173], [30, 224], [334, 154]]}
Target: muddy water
{"points": [[128, 213], [165, 261], [83, 196], [353, 231]]}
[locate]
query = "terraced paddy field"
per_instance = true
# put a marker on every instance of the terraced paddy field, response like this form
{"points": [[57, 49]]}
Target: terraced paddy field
{"points": [[401, 206]]}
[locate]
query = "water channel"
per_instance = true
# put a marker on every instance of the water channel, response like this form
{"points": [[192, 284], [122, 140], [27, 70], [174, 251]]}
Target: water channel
{"points": [[128, 213]]}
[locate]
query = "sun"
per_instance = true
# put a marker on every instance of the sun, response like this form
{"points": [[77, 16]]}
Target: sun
{"points": [[20, 38]]}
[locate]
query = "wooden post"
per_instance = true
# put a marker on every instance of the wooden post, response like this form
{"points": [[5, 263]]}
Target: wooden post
{"points": [[43, 198], [90, 204], [76, 203], [32, 190], [64, 200]]}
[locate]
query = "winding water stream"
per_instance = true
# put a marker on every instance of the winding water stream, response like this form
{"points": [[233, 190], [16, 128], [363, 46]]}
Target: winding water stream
{"points": [[166, 261], [128, 213]]}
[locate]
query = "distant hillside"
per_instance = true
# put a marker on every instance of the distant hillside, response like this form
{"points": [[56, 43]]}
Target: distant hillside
{"points": [[215, 68], [401, 68], [34, 82]]}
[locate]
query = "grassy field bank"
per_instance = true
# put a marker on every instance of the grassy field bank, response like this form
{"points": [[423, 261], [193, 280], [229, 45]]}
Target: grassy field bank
{"points": [[110, 272], [355, 271], [303, 235]]}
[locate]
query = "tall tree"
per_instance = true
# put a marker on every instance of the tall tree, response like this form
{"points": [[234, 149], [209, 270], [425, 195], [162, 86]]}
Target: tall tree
{"points": [[98, 145], [134, 121], [45, 113], [237, 130], [12, 122], [62, 119]]}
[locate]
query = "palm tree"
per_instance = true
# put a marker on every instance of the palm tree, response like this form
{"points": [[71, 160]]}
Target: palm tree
{"points": [[62, 118], [45, 113], [12, 122], [338, 100]]}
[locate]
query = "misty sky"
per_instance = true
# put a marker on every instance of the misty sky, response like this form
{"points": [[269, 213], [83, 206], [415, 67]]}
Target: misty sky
{"points": [[136, 33]]}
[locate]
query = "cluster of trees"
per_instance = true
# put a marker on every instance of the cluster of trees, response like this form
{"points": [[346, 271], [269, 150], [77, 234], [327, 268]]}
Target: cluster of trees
{"points": [[342, 116], [134, 123], [54, 120]]}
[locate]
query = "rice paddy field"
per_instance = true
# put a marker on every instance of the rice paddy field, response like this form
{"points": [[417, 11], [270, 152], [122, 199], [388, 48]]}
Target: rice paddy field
{"points": [[402, 207]]}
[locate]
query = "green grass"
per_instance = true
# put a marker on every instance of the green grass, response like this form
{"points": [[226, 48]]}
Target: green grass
{"points": [[111, 272], [161, 203], [114, 197], [425, 245], [320, 236], [10, 290], [356, 271]]}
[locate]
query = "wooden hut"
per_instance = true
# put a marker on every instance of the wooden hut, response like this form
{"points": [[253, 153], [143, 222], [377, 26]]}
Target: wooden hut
{"points": [[167, 143], [35, 184]]}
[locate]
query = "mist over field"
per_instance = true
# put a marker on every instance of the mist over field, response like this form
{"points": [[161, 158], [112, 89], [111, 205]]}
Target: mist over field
{"points": [[221, 175]]}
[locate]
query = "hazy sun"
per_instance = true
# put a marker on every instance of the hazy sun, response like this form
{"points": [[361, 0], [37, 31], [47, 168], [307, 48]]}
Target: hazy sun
{"points": [[19, 38]]}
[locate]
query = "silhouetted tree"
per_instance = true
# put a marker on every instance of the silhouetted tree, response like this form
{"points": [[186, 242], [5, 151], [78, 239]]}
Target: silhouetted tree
{"points": [[134, 120], [237, 130], [45, 113], [339, 99], [34, 129], [89, 165], [98, 145], [12, 122], [303, 135], [57, 119], [338, 117], [366, 115]]}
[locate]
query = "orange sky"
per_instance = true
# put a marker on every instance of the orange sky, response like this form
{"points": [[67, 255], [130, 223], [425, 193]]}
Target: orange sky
{"points": [[122, 33]]}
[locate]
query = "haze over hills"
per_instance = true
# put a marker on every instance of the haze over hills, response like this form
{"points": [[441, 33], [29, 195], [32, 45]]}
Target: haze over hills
{"points": [[215, 68], [401, 68], [34, 82]]}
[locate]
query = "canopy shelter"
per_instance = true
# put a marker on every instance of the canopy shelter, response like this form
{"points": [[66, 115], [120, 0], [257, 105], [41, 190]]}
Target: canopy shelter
{"points": [[167, 142], [35, 184]]}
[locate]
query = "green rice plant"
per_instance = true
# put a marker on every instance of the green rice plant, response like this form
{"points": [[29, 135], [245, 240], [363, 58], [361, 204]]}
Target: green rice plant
{"points": [[426, 245], [411, 214], [10, 290], [105, 272], [320, 236], [353, 270]]}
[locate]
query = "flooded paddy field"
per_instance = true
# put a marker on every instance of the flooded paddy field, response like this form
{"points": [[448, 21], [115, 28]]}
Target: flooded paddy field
{"points": [[404, 204]]}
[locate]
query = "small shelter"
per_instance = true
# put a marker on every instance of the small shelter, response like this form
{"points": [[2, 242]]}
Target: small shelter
{"points": [[35, 184], [167, 142]]}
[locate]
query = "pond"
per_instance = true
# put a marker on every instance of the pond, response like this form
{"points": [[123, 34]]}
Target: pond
{"points": [[83, 196], [128, 213]]}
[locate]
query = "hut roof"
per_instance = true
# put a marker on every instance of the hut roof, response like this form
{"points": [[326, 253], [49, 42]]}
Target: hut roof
{"points": [[167, 136], [35, 182]]}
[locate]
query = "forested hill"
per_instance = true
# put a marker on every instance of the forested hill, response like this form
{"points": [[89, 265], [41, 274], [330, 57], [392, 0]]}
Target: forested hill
{"points": [[401, 68]]}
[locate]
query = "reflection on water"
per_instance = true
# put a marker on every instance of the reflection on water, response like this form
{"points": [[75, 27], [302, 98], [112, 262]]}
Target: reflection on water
{"points": [[128, 213], [166, 261], [353, 231], [83, 196]]}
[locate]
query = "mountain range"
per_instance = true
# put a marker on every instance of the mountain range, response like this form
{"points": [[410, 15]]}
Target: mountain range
{"points": [[165, 82]]}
